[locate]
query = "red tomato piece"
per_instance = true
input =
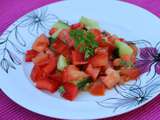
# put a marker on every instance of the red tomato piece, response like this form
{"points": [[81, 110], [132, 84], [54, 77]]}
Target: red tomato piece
{"points": [[72, 73], [51, 65], [101, 50], [56, 77], [64, 35], [131, 73], [77, 26], [41, 59], [99, 60], [52, 31], [30, 54], [111, 79], [67, 53], [93, 72], [41, 43], [97, 89], [78, 58], [48, 85], [59, 46], [97, 33], [71, 91], [37, 73]]}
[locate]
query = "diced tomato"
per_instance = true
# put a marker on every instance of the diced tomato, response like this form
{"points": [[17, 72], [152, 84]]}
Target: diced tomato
{"points": [[65, 77], [77, 26], [30, 54], [126, 57], [72, 73], [48, 85], [97, 33], [93, 72], [67, 53], [112, 39], [56, 77], [41, 43], [52, 31], [111, 48], [111, 79], [97, 88], [123, 79], [49, 52], [101, 50], [132, 73], [78, 58], [99, 60], [133, 59], [64, 35], [37, 73], [71, 91], [59, 46], [117, 62], [41, 59], [51, 65], [121, 39]]}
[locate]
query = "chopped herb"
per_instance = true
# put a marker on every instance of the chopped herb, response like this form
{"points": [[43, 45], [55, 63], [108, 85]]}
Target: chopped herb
{"points": [[61, 90], [52, 40], [83, 83], [86, 40]]}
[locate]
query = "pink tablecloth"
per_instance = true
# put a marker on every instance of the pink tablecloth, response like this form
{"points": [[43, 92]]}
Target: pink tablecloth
{"points": [[10, 10]]}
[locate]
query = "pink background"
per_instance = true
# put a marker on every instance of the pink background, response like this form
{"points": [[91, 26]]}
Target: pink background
{"points": [[10, 10]]}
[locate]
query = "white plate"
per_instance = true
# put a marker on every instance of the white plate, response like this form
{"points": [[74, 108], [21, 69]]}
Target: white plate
{"points": [[120, 18]]}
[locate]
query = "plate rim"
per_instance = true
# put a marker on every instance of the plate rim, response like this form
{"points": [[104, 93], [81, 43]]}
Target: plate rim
{"points": [[61, 2]]}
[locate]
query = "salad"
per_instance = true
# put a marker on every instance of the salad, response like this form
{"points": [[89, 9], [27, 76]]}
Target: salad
{"points": [[81, 57]]}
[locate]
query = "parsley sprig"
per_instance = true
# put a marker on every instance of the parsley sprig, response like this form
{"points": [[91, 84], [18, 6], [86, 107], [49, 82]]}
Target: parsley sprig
{"points": [[86, 41]]}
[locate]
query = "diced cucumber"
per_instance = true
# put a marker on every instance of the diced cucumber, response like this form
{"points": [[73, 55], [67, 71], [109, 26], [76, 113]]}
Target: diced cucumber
{"points": [[89, 23], [124, 49], [59, 25], [62, 63], [54, 36]]}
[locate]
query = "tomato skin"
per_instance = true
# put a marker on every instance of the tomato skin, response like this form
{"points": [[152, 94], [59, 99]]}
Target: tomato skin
{"points": [[65, 77], [30, 54], [56, 77], [72, 73], [52, 31], [64, 35], [51, 65], [77, 26], [132, 73], [59, 46], [41, 43], [78, 58], [97, 33], [111, 79], [71, 91], [41, 59], [37, 73], [99, 60], [93, 72], [97, 89], [48, 85], [101, 50]]}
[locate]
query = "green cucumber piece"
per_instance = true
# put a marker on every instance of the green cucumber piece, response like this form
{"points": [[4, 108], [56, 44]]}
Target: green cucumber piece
{"points": [[59, 25], [123, 48], [62, 63], [89, 23]]}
